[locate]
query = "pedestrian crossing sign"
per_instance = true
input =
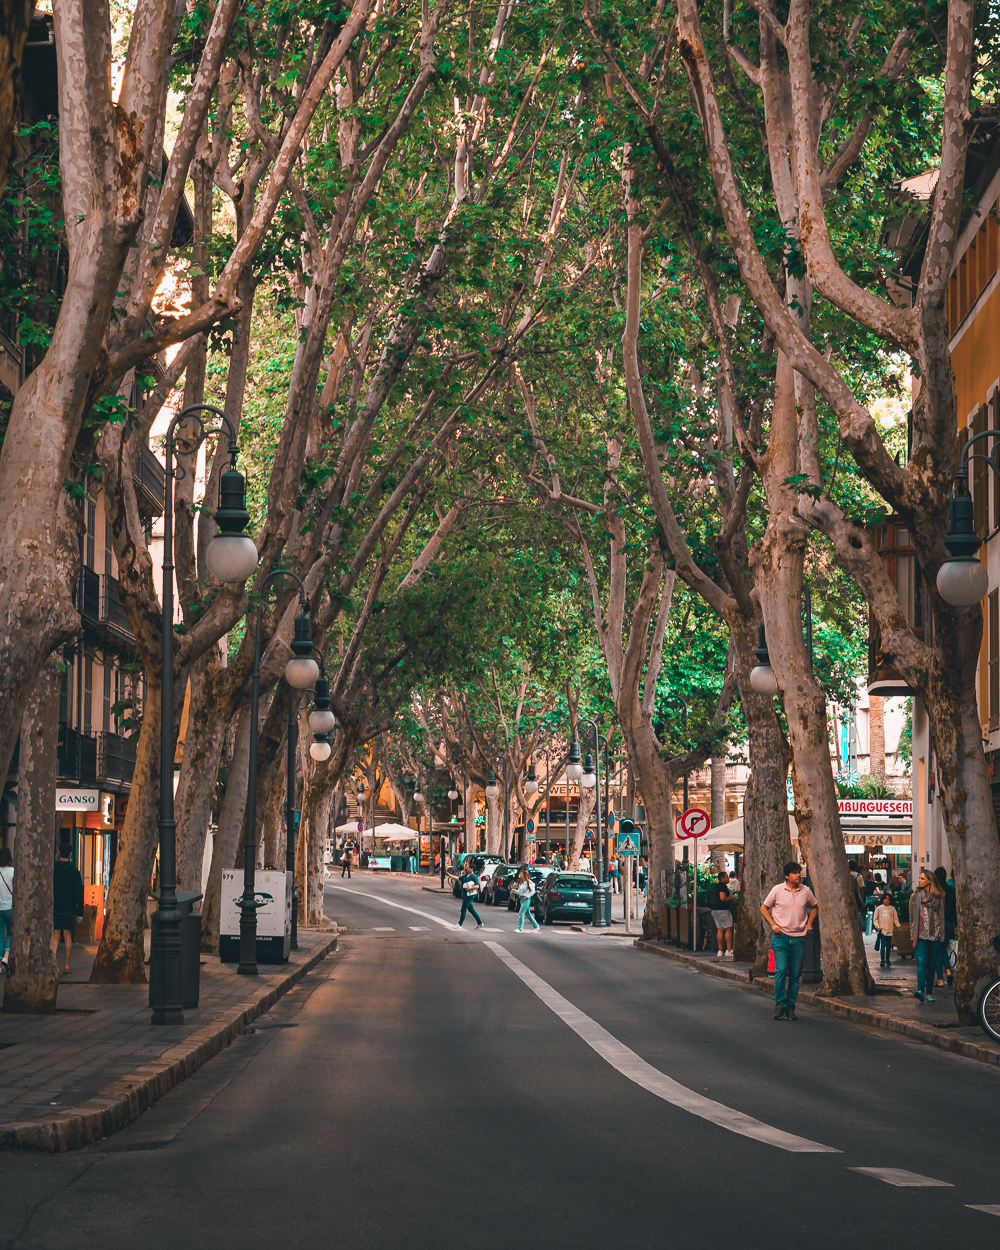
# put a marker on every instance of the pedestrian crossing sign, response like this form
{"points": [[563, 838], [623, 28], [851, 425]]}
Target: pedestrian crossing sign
{"points": [[628, 843]]}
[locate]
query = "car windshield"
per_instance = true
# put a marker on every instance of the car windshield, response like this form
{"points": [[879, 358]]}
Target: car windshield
{"points": [[577, 883]]}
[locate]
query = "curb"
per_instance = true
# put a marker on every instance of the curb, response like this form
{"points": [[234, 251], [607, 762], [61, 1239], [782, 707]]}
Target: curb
{"points": [[124, 1100], [843, 1011]]}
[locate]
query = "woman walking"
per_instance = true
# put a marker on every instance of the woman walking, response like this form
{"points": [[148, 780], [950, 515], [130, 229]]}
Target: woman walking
{"points": [[927, 928], [886, 922], [469, 883], [525, 890], [6, 901]]}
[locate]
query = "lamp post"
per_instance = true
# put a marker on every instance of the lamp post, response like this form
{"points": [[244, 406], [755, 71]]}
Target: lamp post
{"points": [[452, 796], [591, 779], [322, 722], [531, 784], [231, 557], [962, 579], [574, 771], [301, 672]]}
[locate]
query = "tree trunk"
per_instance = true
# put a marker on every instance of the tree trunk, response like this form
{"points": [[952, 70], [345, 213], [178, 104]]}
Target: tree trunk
{"points": [[767, 844], [228, 834], [494, 826], [120, 956], [196, 785], [33, 979], [718, 813], [655, 781], [469, 803], [780, 564], [274, 818], [876, 735], [584, 810]]}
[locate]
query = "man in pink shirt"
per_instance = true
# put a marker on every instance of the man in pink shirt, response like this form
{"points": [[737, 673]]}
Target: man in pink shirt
{"points": [[790, 910]]}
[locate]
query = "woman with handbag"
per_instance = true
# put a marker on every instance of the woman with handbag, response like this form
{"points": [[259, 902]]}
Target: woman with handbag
{"points": [[525, 889], [927, 930]]}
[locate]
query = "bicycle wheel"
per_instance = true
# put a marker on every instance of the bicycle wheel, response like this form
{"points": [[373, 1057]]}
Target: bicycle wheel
{"points": [[989, 1011]]}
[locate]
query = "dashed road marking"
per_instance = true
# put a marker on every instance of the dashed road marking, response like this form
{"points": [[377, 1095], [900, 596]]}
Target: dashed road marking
{"points": [[416, 928], [382, 929], [630, 1065], [903, 1179], [446, 924], [990, 1209]]}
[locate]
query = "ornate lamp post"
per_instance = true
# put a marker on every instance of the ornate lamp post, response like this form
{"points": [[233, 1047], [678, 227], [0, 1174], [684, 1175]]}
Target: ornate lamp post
{"points": [[962, 579], [301, 672], [231, 557]]}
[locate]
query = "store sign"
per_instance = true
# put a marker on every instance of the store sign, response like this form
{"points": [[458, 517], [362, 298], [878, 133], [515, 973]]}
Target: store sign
{"points": [[893, 841], [875, 807], [78, 800]]}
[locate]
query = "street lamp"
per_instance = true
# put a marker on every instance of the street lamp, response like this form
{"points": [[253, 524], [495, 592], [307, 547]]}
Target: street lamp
{"points": [[962, 580], [232, 557], [301, 672], [321, 719], [590, 779], [531, 784], [574, 769], [762, 677], [452, 793], [492, 790]]}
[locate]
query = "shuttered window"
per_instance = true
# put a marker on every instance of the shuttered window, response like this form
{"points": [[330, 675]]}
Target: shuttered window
{"points": [[994, 419], [979, 475], [88, 694], [993, 626], [91, 530], [106, 717]]}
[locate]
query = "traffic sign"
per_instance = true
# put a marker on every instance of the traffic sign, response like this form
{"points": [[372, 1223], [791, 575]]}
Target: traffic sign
{"points": [[531, 826], [628, 844], [361, 826], [694, 823], [611, 820]]}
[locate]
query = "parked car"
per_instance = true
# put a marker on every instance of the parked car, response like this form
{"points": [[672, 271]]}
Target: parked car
{"points": [[538, 873], [566, 896], [482, 865], [500, 883]]}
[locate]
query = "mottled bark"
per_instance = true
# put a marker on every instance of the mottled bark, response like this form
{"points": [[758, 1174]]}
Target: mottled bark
{"points": [[120, 955], [32, 979], [718, 790], [876, 735], [584, 810], [196, 784], [14, 18], [229, 832]]}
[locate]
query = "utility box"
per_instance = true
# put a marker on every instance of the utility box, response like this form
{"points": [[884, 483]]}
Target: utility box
{"points": [[273, 895]]}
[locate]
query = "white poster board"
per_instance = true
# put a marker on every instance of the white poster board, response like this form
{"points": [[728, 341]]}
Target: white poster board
{"points": [[273, 891]]}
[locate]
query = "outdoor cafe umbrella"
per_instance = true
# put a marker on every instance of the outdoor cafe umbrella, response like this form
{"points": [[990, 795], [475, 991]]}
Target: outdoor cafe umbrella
{"points": [[390, 832]]}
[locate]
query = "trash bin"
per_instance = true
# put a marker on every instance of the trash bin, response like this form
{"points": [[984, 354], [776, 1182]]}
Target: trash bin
{"points": [[812, 971], [190, 930]]}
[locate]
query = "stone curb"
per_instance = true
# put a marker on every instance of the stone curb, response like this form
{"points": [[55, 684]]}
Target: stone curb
{"points": [[124, 1100], [844, 1011]]}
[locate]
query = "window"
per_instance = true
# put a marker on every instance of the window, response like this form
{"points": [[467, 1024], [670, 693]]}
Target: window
{"points": [[91, 532], [993, 625], [106, 711], [994, 418], [88, 693], [107, 546]]}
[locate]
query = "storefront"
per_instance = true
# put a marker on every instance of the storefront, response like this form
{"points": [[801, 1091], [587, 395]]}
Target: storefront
{"points": [[89, 824], [878, 834]]}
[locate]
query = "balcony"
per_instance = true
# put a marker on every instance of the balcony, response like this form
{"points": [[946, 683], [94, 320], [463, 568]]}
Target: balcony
{"points": [[113, 614], [115, 758], [101, 607], [150, 480], [76, 756]]}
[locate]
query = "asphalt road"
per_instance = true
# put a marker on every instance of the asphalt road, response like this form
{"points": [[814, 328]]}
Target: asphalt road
{"points": [[432, 1087]]}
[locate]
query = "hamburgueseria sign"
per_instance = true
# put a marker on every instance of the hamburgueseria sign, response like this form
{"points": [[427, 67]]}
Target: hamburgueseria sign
{"points": [[875, 807]]}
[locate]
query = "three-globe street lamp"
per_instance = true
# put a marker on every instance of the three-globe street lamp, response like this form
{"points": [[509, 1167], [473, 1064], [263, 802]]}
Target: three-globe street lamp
{"points": [[531, 787], [301, 672], [962, 579], [574, 771], [231, 557], [321, 721], [762, 677]]}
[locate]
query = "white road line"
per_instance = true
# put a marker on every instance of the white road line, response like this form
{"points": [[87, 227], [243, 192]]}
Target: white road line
{"points": [[993, 1209], [382, 929], [417, 928], [903, 1179], [629, 1064], [447, 924]]}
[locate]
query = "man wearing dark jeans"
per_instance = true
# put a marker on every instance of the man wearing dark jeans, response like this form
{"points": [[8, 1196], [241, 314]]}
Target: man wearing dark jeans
{"points": [[345, 861], [469, 882], [790, 910]]}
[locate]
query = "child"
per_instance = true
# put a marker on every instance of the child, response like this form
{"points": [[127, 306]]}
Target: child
{"points": [[885, 921]]}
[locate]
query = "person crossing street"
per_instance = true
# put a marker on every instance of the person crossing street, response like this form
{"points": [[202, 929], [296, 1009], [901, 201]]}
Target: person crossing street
{"points": [[468, 881], [525, 890]]}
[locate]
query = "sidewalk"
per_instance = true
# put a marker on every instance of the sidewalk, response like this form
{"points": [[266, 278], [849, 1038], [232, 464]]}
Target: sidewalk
{"points": [[96, 1065], [893, 1006]]}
